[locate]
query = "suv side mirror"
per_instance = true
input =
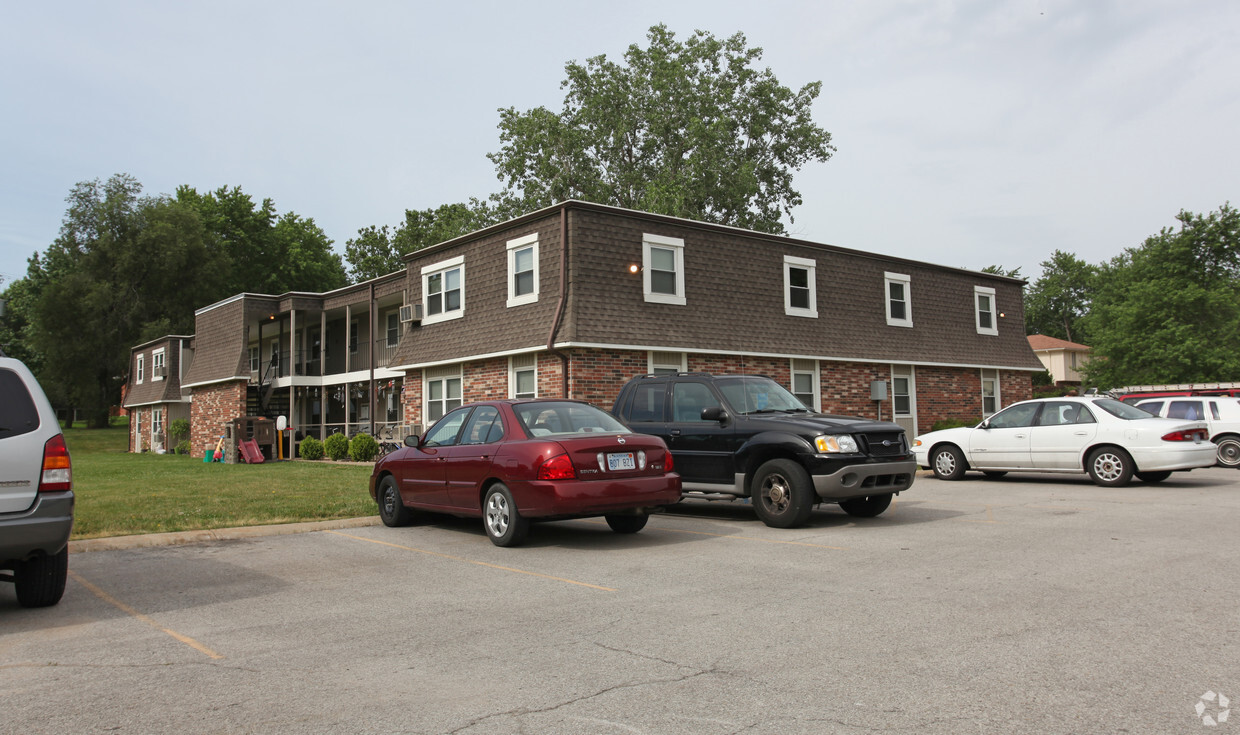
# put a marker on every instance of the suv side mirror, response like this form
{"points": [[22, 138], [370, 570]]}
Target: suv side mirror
{"points": [[714, 413]]}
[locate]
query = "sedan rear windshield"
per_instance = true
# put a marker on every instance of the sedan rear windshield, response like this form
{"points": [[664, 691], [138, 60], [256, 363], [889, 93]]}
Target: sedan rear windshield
{"points": [[18, 414], [559, 418], [1121, 410]]}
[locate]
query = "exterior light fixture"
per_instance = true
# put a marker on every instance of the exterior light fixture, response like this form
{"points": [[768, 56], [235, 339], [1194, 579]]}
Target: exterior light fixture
{"points": [[635, 268]]}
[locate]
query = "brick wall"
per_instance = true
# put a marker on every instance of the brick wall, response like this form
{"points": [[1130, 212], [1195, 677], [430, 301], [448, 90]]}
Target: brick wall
{"points": [[484, 381], [596, 376], [411, 398], [845, 387], [949, 393], [213, 407], [1015, 386]]}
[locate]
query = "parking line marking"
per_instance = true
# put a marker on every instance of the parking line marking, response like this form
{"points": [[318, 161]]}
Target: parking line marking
{"points": [[144, 618], [748, 538], [473, 561], [990, 518]]}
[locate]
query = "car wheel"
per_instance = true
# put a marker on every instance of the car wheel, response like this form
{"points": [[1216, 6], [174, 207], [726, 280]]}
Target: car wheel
{"points": [[40, 581], [1109, 467], [627, 523], [994, 474], [392, 510], [504, 525], [1153, 476], [948, 463], [1228, 450], [783, 496], [866, 507]]}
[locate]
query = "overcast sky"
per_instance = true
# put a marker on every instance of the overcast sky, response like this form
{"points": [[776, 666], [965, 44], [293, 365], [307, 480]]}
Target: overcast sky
{"points": [[968, 133]]}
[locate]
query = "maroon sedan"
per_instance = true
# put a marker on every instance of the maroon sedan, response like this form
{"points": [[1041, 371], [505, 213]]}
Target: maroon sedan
{"points": [[516, 460]]}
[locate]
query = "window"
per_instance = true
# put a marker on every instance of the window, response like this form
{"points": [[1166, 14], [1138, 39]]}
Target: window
{"points": [[667, 363], [902, 391], [353, 337], [1016, 417], [443, 290], [647, 402], [275, 353], [443, 391], [254, 359], [393, 329], [523, 376], [984, 301], [523, 270], [688, 400], [663, 269], [484, 426], [990, 392], [899, 307], [444, 433], [141, 371], [1187, 410], [800, 292], [157, 428], [158, 370], [805, 382]]}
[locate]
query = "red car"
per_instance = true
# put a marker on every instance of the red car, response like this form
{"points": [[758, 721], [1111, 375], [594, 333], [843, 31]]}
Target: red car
{"points": [[512, 461]]}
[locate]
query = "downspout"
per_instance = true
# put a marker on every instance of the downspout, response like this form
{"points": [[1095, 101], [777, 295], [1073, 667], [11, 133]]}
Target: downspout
{"points": [[559, 307], [371, 392]]}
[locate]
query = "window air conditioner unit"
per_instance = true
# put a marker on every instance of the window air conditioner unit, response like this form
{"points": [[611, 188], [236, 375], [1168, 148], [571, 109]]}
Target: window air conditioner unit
{"points": [[411, 313], [160, 372]]}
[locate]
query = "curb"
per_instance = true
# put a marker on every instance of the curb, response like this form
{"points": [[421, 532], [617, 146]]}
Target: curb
{"points": [[178, 538]]}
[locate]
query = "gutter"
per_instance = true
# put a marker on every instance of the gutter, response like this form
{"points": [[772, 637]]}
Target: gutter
{"points": [[559, 307]]}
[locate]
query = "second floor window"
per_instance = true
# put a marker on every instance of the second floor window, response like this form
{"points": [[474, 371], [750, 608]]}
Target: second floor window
{"points": [[393, 329], [899, 308], [984, 301], [800, 290], [443, 288], [663, 269], [523, 270], [141, 371], [254, 359], [157, 365]]}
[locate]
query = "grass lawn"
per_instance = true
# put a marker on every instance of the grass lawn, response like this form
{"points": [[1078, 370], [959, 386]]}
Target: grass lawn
{"points": [[119, 493]]}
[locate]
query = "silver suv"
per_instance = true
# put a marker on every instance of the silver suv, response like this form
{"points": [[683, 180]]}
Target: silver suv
{"points": [[36, 490]]}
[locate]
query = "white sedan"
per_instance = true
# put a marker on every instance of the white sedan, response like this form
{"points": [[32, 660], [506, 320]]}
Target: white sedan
{"points": [[1109, 440]]}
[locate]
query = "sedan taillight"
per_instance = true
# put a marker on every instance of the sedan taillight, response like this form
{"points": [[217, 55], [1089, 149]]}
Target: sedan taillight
{"points": [[559, 467], [1191, 435], [57, 472]]}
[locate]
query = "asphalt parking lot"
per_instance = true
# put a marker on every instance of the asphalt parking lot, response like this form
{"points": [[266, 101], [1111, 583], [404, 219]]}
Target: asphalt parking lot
{"points": [[1025, 605]]}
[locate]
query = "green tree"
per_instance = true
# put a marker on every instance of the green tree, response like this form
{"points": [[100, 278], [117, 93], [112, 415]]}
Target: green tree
{"points": [[259, 251], [377, 251], [121, 261], [999, 270], [1057, 303], [1168, 311], [690, 129]]}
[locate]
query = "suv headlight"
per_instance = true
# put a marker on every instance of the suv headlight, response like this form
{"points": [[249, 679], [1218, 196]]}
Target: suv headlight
{"points": [[843, 443]]}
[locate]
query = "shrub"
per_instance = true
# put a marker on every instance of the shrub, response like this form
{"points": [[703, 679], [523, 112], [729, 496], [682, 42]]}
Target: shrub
{"points": [[182, 447], [179, 429], [363, 448], [336, 447], [951, 424], [310, 448]]}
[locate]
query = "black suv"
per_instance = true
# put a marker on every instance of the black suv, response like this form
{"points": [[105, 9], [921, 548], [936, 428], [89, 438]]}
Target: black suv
{"points": [[747, 436]]}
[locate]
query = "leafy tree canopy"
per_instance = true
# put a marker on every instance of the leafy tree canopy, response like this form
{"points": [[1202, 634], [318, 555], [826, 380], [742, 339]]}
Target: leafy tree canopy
{"points": [[1058, 301], [690, 129], [1168, 311], [377, 251]]}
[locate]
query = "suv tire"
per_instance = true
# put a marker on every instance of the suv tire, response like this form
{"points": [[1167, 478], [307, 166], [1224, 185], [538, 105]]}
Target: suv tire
{"points": [[40, 581], [782, 494]]}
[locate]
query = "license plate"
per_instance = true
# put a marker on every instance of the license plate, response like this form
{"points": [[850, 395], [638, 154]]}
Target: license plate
{"points": [[623, 461]]}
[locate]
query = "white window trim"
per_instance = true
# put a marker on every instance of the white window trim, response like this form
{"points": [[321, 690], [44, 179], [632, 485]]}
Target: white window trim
{"points": [[141, 369], [998, 395], [521, 243], [156, 360], [650, 364], [254, 355], [431, 376], [512, 376], [790, 262], [442, 267], [888, 279], [911, 376], [793, 372], [677, 245], [977, 311]]}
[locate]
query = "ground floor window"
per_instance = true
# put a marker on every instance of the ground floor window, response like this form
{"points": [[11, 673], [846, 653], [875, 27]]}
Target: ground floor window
{"points": [[157, 429], [663, 363], [442, 391], [990, 392], [805, 382], [523, 376]]}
